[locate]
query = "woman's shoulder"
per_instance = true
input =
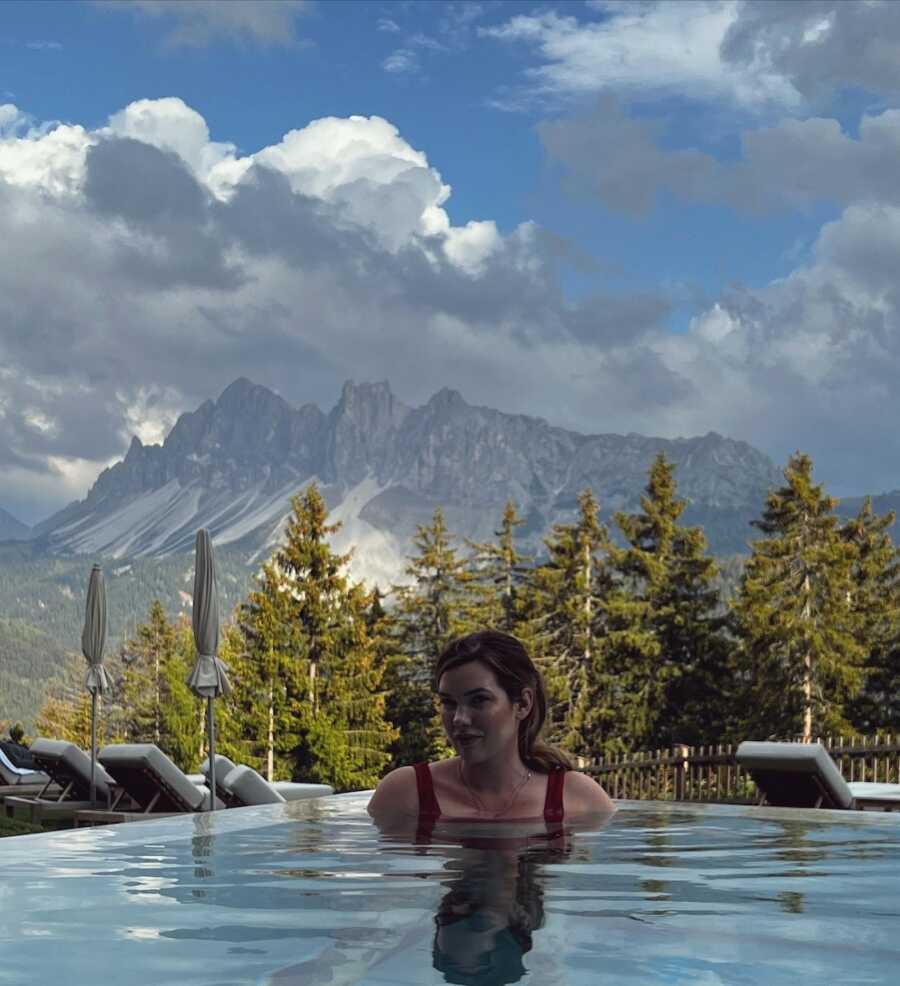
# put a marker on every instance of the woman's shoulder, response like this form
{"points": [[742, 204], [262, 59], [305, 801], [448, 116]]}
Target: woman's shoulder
{"points": [[396, 791], [584, 794]]}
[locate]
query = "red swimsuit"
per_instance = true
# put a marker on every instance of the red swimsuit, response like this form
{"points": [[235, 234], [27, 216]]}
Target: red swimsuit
{"points": [[430, 810]]}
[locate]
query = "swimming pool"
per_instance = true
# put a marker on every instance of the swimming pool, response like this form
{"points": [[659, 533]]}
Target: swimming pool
{"points": [[311, 893]]}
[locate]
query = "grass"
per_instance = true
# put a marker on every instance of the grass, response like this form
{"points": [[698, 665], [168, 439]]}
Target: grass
{"points": [[10, 826]]}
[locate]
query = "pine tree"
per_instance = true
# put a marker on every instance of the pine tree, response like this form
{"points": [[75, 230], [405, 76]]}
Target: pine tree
{"points": [[66, 716], [678, 653], [800, 658], [430, 611], [182, 719], [306, 626], [498, 575], [565, 609], [348, 739], [153, 702], [270, 679], [143, 694], [875, 595]]}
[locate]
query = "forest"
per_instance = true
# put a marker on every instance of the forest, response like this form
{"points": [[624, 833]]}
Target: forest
{"points": [[642, 639]]}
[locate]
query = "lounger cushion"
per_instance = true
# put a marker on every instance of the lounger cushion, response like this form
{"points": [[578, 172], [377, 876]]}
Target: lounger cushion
{"points": [[244, 786], [66, 763], [874, 790], [13, 775], [223, 765], [795, 775], [296, 791], [143, 770]]}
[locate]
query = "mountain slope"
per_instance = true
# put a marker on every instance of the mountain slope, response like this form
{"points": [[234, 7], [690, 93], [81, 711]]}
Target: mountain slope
{"points": [[383, 467], [12, 529]]}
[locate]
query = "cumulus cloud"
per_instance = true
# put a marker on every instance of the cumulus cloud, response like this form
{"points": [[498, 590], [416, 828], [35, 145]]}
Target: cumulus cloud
{"points": [[818, 45], [154, 265], [811, 360], [196, 23], [792, 165], [641, 49]]}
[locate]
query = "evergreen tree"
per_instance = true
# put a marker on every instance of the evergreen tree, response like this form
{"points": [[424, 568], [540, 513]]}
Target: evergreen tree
{"points": [[270, 679], [307, 625], [875, 595], [800, 659], [677, 652], [153, 702], [498, 575], [61, 719], [183, 717], [564, 607], [430, 611], [65, 713]]}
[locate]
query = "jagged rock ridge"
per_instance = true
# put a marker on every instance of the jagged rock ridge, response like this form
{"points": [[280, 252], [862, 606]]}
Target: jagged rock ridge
{"points": [[383, 467]]}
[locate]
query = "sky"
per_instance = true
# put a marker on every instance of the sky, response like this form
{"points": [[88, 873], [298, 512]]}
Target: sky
{"points": [[666, 218]]}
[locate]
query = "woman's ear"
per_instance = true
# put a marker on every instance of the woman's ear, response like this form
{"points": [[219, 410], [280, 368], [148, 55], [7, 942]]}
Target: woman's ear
{"points": [[525, 703]]}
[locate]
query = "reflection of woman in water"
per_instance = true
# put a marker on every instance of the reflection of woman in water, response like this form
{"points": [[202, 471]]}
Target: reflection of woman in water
{"points": [[485, 921], [493, 706]]}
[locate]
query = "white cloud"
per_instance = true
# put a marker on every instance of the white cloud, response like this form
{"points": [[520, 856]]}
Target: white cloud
{"points": [[149, 412], [641, 49], [469, 246], [199, 22], [790, 165], [171, 124], [403, 61], [154, 266], [51, 160]]}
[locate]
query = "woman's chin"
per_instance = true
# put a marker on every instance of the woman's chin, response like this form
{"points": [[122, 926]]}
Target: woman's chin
{"points": [[471, 751]]}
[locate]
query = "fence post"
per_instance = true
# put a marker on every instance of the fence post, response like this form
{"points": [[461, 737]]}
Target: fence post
{"points": [[681, 753]]}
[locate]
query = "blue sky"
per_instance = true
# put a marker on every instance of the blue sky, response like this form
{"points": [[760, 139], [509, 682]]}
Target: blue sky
{"points": [[682, 213]]}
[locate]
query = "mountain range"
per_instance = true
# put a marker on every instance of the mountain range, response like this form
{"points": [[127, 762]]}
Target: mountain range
{"points": [[383, 467]]}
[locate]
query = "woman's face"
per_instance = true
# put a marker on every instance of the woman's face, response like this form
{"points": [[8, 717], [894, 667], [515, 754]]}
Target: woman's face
{"points": [[478, 716]]}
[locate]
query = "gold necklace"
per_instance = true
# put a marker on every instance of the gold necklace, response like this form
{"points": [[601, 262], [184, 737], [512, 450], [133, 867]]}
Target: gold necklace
{"points": [[479, 804]]}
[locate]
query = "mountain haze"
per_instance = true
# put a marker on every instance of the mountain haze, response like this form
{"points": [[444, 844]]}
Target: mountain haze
{"points": [[12, 529], [383, 467]]}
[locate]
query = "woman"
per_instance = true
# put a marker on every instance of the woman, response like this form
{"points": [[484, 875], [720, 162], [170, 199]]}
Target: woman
{"points": [[493, 706]]}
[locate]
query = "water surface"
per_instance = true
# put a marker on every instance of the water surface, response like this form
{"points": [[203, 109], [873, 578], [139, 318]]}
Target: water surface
{"points": [[312, 893]]}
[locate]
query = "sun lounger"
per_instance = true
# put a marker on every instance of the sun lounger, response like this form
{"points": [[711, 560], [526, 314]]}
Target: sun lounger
{"points": [[20, 780], [241, 786], [70, 768], [154, 783], [803, 775]]}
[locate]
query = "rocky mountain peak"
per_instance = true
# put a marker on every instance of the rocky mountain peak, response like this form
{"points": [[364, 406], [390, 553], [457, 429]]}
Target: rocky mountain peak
{"points": [[363, 428], [447, 399], [233, 464]]}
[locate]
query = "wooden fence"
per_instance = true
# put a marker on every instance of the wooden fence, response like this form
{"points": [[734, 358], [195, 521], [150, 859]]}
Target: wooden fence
{"points": [[710, 773]]}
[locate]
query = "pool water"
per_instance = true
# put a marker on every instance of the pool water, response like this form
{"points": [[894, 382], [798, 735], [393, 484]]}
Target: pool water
{"points": [[312, 893]]}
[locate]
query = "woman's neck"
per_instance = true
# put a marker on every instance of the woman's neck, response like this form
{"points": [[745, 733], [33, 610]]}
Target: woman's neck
{"points": [[497, 774]]}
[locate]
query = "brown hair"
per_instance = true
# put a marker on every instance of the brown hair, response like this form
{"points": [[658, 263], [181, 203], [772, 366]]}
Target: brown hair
{"points": [[507, 658]]}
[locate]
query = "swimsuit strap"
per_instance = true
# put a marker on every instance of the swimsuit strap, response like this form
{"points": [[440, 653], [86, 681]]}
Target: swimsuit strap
{"points": [[429, 809], [553, 803], [428, 802]]}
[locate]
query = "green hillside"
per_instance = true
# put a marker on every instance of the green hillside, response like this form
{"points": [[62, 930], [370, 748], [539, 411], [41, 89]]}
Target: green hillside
{"points": [[42, 611]]}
